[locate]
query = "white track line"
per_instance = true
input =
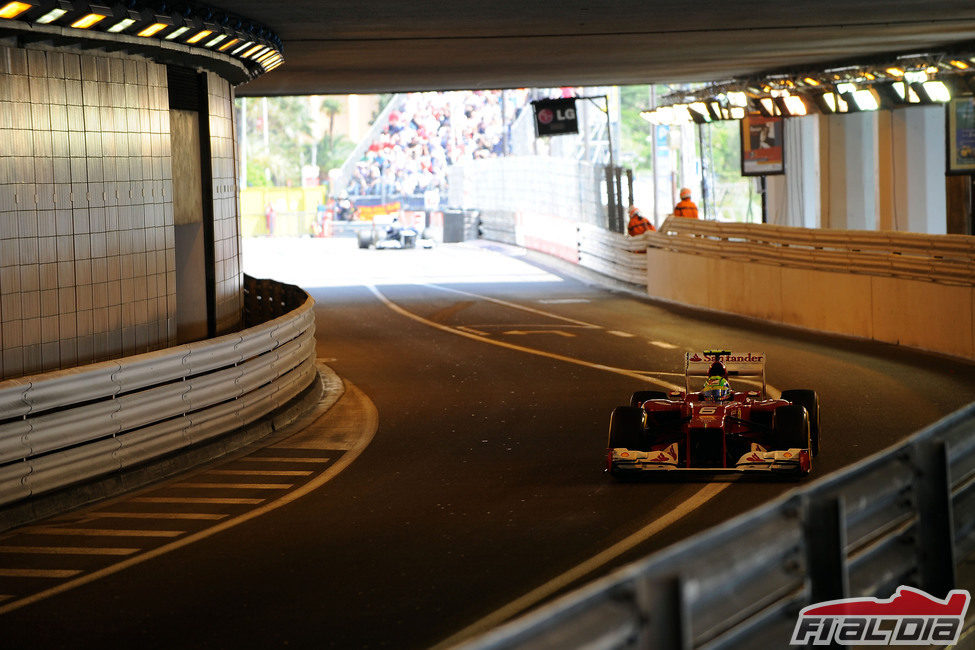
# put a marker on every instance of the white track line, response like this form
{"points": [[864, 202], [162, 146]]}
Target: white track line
{"points": [[514, 305], [511, 346], [700, 497], [533, 597]]}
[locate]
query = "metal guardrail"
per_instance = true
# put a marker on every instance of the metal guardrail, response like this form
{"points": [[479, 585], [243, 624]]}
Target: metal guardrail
{"points": [[948, 259], [903, 516], [612, 254], [67, 426]]}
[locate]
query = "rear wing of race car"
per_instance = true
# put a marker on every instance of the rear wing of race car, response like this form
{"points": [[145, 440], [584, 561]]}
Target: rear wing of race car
{"points": [[738, 364]]}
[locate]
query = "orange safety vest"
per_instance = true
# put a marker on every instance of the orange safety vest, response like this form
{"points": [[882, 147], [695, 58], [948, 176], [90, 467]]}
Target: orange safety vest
{"points": [[686, 208], [638, 225]]}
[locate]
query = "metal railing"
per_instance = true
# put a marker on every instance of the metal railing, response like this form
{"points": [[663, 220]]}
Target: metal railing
{"points": [[614, 255], [903, 516], [948, 259], [67, 426]]}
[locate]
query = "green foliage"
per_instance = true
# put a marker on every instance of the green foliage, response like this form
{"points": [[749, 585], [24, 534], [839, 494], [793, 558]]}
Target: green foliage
{"points": [[277, 150], [636, 148]]}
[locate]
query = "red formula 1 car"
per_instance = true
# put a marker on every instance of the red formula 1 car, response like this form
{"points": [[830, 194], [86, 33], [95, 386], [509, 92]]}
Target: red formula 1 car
{"points": [[717, 429]]}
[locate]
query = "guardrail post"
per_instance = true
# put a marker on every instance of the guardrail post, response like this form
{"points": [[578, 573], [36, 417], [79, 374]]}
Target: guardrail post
{"points": [[935, 529], [825, 539], [661, 604]]}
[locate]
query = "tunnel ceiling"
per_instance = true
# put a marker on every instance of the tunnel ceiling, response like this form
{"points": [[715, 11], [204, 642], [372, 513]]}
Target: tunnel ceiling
{"points": [[337, 46]]}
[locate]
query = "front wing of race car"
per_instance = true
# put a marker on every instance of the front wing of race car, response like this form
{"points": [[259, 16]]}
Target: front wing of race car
{"points": [[786, 462]]}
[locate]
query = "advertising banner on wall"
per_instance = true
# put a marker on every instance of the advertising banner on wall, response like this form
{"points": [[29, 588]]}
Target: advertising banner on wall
{"points": [[961, 136], [762, 146]]}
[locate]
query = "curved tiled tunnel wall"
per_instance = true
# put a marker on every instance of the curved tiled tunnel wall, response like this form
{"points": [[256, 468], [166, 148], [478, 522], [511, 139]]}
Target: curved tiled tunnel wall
{"points": [[229, 294], [87, 265]]}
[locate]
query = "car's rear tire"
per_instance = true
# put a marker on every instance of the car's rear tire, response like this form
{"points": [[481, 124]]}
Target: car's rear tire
{"points": [[364, 238], [809, 400], [641, 396], [626, 428], [790, 427]]}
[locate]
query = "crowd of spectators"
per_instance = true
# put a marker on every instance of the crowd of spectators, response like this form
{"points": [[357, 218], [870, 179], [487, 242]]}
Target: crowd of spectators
{"points": [[429, 132]]}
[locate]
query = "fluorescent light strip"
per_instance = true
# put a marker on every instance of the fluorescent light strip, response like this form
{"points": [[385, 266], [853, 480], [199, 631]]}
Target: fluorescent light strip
{"points": [[199, 37], [228, 44], [13, 9], [177, 33], [264, 57], [216, 40], [121, 25], [250, 51], [260, 53], [152, 30], [87, 21], [50, 16], [242, 47]]}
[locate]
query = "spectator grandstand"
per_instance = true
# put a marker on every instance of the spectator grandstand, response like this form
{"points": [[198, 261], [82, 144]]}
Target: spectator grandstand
{"points": [[427, 132]]}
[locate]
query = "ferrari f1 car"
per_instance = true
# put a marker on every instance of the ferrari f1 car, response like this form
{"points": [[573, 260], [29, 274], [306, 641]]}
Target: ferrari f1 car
{"points": [[715, 429]]}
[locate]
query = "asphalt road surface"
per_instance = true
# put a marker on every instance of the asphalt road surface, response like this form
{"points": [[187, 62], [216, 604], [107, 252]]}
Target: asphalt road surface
{"points": [[482, 492]]}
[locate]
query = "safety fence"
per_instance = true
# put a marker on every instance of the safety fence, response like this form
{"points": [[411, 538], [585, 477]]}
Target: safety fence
{"points": [[614, 255], [905, 516], [948, 259], [68, 426]]}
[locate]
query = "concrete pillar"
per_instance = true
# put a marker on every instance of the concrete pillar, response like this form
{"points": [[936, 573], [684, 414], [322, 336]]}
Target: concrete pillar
{"points": [[794, 197], [852, 194], [917, 135]]}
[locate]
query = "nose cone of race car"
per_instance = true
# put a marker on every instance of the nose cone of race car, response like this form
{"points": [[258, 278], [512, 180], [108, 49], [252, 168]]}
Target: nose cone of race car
{"points": [[708, 415]]}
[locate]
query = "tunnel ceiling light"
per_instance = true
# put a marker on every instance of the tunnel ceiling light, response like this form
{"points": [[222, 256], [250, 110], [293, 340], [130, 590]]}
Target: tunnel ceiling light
{"points": [[768, 104], [153, 29], [738, 98], [866, 100], [50, 16], [199, 36], [216, 40], [937, 91], [121, 25], [869, 75], [87, 21], [176, 33], [228, 44], [273, 66], [14, 9], [809, 81], [259, 53], [958, 63], [242, 47], [251, 51], [795, 105], [895, 71]]}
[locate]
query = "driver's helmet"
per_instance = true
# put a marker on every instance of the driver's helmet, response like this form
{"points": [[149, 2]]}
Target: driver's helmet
{"points": [[716, 388]]}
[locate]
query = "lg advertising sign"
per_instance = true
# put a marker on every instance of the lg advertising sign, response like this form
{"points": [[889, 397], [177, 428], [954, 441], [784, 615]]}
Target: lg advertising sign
{"points": [[555, 116]]}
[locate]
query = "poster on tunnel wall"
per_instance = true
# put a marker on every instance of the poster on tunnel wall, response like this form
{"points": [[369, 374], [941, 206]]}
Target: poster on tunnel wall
{"points": [[960, 125], [762, 146]]}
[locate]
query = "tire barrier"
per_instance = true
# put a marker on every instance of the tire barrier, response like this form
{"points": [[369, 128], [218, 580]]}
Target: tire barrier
{"points": [[65, 427]]}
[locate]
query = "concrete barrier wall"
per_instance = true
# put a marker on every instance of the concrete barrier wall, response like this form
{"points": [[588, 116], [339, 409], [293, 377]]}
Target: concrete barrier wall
{"points": [[916, 313]]}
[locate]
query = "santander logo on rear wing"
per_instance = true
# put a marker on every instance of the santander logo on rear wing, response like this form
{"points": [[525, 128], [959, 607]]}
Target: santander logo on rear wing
{"points": [[740, 364]]}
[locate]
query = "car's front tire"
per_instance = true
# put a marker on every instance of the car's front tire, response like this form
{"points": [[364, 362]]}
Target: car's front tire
{"points": [[790, 427], [809, 400], [626, 428]]}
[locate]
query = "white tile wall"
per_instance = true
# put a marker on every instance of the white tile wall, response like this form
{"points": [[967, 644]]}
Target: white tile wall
{"points": [[87, 266], [226, 224]]}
